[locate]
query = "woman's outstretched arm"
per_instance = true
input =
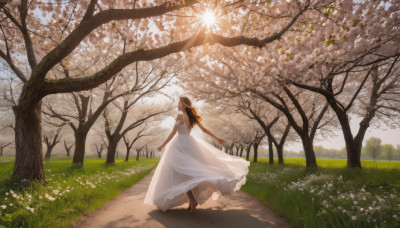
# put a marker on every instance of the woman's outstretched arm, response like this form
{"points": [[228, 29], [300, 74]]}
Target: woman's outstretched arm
{"points": [[205, 130], [173, 132]]}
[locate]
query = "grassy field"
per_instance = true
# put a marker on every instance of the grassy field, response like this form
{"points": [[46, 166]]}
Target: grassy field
{"points": [[330, 196], [70, 191]]}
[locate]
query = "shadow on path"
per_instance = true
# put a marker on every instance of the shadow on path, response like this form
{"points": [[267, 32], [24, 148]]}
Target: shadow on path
{"points": [[177, 218]]}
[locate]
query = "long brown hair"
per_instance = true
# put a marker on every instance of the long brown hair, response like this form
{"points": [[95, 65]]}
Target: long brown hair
{"points": [[194, 117]]}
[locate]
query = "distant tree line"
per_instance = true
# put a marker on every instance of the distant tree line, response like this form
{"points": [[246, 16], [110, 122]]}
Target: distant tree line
{"points": [[372, 150]]}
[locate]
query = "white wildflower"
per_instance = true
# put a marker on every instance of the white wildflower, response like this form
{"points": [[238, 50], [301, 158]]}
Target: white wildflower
{"points": [[352, 195], [354, 218], [3, 206]]}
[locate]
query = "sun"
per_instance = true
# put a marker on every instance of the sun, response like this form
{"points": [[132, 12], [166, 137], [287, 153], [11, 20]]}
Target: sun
{"points": [[208, 18]]}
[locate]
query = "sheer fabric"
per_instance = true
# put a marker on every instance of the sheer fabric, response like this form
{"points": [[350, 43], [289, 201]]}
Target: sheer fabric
{"points": [[190, 163]]}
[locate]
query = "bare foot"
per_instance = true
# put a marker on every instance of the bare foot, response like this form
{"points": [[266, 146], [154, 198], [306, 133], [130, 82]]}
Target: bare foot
{"points": [[193, 207], [190, 205]]}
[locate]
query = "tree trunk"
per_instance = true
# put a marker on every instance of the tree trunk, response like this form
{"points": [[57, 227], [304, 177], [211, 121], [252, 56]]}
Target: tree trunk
{"points": [[270, 151], [48, 152], [137, 155], [28, 142], [248, 151], [309, 151], [128, 150], [241, 151], [353, 148], [111, 150], [279, 150], [80, 144], [255, 147]]}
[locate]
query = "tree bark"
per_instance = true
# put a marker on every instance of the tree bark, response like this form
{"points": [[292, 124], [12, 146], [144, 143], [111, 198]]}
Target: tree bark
{"points": [[48, 153], [255, 148], [270, 151], [28, 141], [2, 148], [127, 154], [248, 151], [308, 151], [80, 146], [137, 154], [112, 148], [67, 148], [279, 151], [241, 151], [353, 147]]}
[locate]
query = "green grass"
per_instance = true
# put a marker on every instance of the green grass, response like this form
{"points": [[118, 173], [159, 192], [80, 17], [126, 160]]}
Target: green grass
{"points": [[331, 195], [71, 191]]}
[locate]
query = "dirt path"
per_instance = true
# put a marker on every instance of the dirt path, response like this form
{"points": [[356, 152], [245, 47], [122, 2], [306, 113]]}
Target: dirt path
{"points": [[128, 210]]}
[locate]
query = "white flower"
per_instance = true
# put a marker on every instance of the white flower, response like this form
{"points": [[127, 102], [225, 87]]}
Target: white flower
{"points": [[370, 208], [355, 202], [361, 209], [354, 218], [7, 193], [395, 216], [55, 192], [11, 204], [40, 197], [352, 195], [3, 206]]}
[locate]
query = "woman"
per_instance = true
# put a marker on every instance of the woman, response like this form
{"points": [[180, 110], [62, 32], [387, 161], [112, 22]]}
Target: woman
{"points": [[192, 168]]}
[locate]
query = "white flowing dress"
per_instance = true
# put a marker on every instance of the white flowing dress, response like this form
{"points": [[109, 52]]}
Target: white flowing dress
{"points": [[189, 163]]}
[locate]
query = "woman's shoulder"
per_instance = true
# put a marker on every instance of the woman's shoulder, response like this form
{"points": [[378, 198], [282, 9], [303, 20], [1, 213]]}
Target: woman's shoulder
{"points": [[179, 116]]}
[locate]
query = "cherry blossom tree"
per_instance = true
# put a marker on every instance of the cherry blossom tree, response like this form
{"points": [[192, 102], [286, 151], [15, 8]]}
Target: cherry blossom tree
{"points": [[44, 36], [349, 56], [68, 148], [51, 141], [129, 141], [4, 146], [99, 149], [119, 124], [355, 67], [268, 120]]}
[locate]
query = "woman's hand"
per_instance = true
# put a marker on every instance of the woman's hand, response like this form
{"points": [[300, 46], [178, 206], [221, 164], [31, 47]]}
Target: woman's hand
{"points": [[220, 140], [160, 148]]}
